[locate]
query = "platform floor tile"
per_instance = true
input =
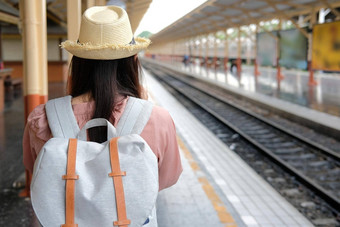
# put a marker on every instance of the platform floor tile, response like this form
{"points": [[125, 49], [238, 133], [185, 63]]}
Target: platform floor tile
{"points": [[185, 203], [245, 190]]}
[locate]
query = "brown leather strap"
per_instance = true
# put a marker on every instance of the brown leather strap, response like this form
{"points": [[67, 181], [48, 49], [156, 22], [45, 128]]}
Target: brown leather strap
{"points": [[118, 184], [70, 178]]}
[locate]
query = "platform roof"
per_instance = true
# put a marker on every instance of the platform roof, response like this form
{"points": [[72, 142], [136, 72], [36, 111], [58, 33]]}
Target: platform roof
{"points": [[56, 10], [216, 15]]}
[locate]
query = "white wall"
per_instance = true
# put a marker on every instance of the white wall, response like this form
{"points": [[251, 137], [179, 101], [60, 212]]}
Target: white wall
{"points": [[12, 49], [53, 49]]}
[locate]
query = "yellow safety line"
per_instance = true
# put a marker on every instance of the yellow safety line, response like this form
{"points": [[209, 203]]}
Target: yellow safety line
{"points": [[222, 212]]}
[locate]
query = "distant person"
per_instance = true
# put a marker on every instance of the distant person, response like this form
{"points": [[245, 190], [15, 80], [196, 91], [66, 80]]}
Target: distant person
{"points": [[186, 60], [105, 75], [233, 67]]}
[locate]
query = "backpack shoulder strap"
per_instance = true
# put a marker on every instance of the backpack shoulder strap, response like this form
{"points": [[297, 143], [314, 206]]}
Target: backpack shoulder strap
{"points": [[61, 119], [135, 116]]}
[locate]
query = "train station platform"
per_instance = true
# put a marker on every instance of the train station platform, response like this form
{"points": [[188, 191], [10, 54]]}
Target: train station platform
{"points": [[314, 106], [216, 187]]}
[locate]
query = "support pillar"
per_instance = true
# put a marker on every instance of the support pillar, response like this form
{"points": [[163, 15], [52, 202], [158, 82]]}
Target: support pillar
{"points": [[178, 54], [176, 51], [226, 52], [184, 47], [73, 26], [200, 55], [207, 51], [44, 65], [1, 60], [215, 51], [73, 21], [34, 39], [173, 47], [174, 54], [312, 81], [256, 71], [2, 88], [279, 76], [189, 43], [197, 57], [196, 50], [239, 61]]}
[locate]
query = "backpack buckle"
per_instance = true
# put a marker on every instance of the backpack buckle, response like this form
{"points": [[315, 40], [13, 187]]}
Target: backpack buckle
{"points": [[122, 222], [70, 177], [117, 174]]}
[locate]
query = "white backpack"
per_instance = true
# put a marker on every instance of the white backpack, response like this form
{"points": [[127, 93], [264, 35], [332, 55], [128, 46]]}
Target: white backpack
{"points": [[80, 183]]}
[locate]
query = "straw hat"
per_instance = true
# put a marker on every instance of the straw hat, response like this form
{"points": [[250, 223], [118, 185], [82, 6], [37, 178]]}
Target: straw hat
{"points": [[105, 33]]}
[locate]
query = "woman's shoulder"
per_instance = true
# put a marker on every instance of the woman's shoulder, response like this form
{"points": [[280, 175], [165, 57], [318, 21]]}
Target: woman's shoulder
{"points": [[38, 124], [160, 121], [160, 114], [38, 115]]}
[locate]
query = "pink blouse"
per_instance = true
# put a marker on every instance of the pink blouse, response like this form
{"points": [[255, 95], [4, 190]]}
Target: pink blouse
{"points": [[159, 133]]}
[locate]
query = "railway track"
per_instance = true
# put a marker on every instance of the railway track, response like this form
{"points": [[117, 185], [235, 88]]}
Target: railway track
{"points": [[314, 165]]}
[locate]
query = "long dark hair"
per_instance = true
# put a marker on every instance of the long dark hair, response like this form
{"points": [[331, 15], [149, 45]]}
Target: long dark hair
{"points": [[103, 80]]}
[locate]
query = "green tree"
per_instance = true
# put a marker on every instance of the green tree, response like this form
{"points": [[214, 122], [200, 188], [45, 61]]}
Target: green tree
{"points": [[145, 34]]}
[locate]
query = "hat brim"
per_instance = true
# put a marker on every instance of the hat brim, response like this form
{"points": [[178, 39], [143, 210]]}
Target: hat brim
{"points": [[106, 51]]}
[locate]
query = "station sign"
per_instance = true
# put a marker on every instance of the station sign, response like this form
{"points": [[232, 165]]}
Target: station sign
{"points": [[326, 47]]}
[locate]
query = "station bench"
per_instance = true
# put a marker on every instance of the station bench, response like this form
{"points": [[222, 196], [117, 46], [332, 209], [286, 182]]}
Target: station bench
{"points": [[13, 87], [4, 74]]}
